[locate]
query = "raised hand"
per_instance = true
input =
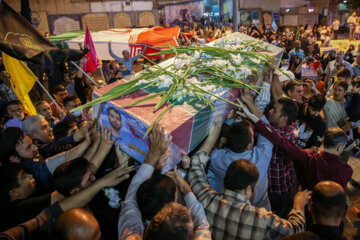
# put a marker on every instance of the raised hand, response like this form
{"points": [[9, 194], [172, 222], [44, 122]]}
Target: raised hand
{"points": [[116, 176], [122, 157], [158, 145], [179, 181]]}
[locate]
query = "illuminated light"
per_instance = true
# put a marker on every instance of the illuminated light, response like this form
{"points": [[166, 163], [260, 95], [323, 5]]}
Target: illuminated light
{"points": [[311, 10], [287, 10]]}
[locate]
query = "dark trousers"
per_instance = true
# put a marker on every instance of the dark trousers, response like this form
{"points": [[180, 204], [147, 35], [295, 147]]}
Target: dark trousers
{"points": [[352, 32], [335, 34], [281, 204]]}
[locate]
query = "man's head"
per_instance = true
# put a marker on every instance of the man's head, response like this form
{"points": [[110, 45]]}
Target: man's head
{"points": [[340, 89], [126, 54], [355, 85], [340, 56], [173, 221], [344, 74], [38, 129], [315, 105], [114, 118], [240, 137], [294, 91], [59, 93], [354, 14], [335, 140], [70, 102], [43, 108], [328, 203], [15, 184], [77, 224], [242, 176], [284, 112], [297, 44], [64, 129], [15, 110], [70, 177], [15, 146], [154, 193]]}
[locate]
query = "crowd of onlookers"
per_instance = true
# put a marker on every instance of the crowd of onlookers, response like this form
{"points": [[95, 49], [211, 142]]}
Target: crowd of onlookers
{"points": [[275, 169]]}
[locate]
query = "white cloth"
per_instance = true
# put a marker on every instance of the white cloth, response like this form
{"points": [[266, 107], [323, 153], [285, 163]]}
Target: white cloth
{"points": [[334, 111]]}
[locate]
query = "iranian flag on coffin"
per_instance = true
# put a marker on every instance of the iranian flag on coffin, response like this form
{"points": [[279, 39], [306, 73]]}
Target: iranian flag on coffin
{"points": [[133, 40], [187, 122]]}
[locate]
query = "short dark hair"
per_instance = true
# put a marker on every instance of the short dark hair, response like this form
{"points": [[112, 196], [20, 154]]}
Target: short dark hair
{"points": [[11, 137], [356, 82], [154, 193], [334, 137], [37, 104], [13, 102], [69, 98], [171, 222], [238, 136], [327, 206], [317, 101], [344, 73], [69, 175], [240, 174], [8, 180], [61, 128], [290, 86], [58, 88], [289, 109], [113, 109], [342, 84]]}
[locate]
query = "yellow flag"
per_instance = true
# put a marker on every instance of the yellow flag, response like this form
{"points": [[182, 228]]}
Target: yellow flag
{"points": [[22, 80]]}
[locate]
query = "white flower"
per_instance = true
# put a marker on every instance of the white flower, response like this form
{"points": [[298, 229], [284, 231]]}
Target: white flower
{"points": [[113, 195], [196, 55], [141, 82]]}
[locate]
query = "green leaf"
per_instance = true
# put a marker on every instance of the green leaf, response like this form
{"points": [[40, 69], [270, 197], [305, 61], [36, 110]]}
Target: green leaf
{"points": [[145, 99]]}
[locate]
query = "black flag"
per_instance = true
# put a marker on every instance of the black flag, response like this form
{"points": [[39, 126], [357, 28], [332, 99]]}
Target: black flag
{"points": [[21, 40], [26, 10]]}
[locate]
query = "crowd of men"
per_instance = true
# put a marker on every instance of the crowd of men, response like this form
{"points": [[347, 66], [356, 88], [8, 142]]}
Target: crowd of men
{"points": [[274, 169]]}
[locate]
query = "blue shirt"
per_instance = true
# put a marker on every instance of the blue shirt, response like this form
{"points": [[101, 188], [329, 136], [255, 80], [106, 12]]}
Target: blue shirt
{"points": [[260, 155], [127, 63], [298, 52]]}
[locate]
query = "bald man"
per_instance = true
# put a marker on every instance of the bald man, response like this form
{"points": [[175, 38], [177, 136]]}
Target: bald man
{"points": [[76, 224], [328, 207]]}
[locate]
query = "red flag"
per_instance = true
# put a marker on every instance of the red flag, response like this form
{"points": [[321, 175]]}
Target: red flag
{"points": [[93, 61]]}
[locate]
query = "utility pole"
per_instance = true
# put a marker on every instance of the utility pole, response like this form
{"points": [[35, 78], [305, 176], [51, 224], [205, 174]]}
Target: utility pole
{"points": [[235, 15]]}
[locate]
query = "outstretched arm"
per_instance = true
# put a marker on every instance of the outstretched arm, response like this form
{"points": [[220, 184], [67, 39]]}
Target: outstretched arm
{"points": [[117, 58], [130, 221]]}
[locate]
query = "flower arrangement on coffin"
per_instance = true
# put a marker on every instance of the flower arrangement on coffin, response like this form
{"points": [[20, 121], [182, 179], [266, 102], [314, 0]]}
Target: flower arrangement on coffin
{"points": [[197, 74]]}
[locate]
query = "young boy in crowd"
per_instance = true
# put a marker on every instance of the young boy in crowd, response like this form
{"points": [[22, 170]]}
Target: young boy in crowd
{"points": [[16, 114]]}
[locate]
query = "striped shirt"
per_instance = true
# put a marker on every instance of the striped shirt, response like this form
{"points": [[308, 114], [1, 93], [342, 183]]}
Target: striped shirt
{"points": [[231, 215]]}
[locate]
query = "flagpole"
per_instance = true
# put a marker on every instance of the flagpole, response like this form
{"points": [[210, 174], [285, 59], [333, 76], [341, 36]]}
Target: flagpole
{"points": [[86, 75], [102, 74], [51, 98]]}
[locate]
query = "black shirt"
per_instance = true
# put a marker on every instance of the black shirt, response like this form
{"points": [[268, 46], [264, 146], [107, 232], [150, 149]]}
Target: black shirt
{"points": [[310, 130], [20, 211], [326, 232]]}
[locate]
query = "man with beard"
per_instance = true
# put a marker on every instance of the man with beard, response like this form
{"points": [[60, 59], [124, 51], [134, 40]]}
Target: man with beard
{"points": [[334, 109], [130, 140], [115, 122], [311, 126]]}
